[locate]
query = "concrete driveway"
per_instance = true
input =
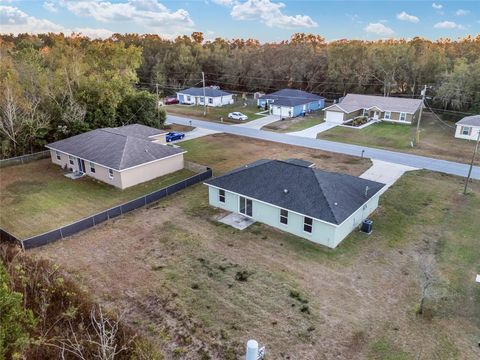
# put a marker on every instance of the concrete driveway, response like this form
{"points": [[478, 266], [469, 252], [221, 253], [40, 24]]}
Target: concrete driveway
{"points": [[196, 133], [313, 131], [385, 172], [259, 123]]}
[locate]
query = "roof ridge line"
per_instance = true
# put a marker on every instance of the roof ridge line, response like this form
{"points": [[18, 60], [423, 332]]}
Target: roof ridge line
{"points": [[315, 171]]}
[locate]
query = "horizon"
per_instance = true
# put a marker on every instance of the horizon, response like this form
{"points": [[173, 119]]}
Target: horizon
{"points": [[268, 21]]}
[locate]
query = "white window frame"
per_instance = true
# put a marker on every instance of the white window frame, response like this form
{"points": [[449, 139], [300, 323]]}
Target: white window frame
{"points": [[71, 160], [210, 101], [221, 196], [245, 206], [306, 224], [189, 98], [284, 217], [404, 115], [467, 128], [92, 167], [110, 173], [387, 115], [57, 154]]}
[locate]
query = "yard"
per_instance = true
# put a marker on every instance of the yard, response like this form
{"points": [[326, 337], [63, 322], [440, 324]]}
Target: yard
{"points": [[436, 139], [198, 289], [296, 124], [216, 113], [36, 197]]}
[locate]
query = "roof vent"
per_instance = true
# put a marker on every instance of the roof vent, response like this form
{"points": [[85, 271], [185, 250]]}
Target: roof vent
{"points": [[285, 191], [366, 191], [335, 203]]}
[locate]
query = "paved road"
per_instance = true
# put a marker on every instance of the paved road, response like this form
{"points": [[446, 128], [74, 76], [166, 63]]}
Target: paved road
{"points": [[313, 131], [416, 161]]}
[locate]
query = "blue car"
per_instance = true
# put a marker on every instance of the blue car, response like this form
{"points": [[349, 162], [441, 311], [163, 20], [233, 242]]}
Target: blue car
{"points": [[172, 136]]}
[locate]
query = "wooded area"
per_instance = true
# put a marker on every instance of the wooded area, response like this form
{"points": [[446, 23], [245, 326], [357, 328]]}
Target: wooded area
{"points": [[55, 86]]}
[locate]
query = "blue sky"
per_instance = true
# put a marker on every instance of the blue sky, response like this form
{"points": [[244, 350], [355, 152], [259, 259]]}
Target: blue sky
{"points": [[266, 20]]}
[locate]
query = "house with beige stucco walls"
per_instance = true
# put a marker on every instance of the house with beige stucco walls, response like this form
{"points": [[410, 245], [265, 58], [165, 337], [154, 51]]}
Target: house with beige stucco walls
{"points": [[123, 156], [377, 108]]}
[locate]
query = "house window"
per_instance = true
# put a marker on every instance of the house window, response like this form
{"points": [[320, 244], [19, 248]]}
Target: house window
{"points": [[70, 159], [365, 112], [210, 100], [110, 173], [189, 98], [221, 196], [58, 155], [307, 224], [246, 206], [284, 216], [388, 115], [403, 116], [465, 130], [92, 167]]}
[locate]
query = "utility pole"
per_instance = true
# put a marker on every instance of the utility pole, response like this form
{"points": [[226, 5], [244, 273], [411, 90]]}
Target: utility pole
{"points": [[471, 164], [158, 103], [417, 135], [204, 100]]}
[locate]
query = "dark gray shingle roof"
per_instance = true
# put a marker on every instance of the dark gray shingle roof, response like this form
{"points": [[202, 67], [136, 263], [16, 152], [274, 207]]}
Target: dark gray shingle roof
{"points": [[116, 148], [291, 97], [198, 91], [323, 195], [473, 120]]}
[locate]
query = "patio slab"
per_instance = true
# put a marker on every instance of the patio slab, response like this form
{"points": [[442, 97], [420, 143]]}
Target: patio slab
{"points": [[237, 221]]}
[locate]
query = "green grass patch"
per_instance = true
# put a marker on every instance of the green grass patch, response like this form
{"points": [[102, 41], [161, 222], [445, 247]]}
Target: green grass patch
{"points": [[385, 350], [296, 124]]}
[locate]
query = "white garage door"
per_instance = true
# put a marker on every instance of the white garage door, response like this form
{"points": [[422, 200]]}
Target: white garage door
{"points": [[282, 111], [333, 116]]}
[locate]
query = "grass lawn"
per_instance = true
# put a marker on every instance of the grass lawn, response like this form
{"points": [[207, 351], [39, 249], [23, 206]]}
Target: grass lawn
{"points": [[195, 287], [436, 139], [296, 124], [36, 197], [215, 113]]}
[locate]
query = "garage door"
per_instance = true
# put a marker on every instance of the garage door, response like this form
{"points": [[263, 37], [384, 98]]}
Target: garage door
{"points": [[333, 116], [281, 111]]}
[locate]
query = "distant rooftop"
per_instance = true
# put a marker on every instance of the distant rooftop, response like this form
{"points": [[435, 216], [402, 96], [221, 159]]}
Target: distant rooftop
{"points": [[209, 91], [354, 102], [296, 186], [473, 120], [117, 148], [291, 97]]}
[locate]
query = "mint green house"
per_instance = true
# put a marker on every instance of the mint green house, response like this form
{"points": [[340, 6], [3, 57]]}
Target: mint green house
{"points": [[320, 206]]}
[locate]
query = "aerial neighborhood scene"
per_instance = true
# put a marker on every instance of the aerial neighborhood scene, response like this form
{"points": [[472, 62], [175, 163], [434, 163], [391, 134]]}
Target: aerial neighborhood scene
{"points": [[239, 179]]}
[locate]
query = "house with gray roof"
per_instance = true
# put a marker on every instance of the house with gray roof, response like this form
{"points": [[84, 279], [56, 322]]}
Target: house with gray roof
{"points": [[295, 197], [195, 96], [288, 103], [378, 108], [468, 128], [121, 156]]}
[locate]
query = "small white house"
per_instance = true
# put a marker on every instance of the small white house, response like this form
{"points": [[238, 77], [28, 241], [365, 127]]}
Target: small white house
{"points": [[468, 128], [195, 96]]}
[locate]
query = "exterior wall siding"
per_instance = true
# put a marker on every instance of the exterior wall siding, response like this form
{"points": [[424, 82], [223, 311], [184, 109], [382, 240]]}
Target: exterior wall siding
{"points": [[473, 132], [198, 100], [322, 233], [150, 171]]}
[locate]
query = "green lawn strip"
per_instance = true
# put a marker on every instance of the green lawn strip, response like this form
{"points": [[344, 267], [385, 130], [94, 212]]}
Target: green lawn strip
{"points": [[51, 200], [216, 113], [296, 124]]}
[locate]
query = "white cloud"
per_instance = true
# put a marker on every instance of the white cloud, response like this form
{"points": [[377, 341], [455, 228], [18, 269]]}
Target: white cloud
{"points": [[403, 16], [270, 14], [437, 6], [448, 25], [224, 2], [16, 21], [379, 29], [149, 13], [461, 12], [50, 6]]}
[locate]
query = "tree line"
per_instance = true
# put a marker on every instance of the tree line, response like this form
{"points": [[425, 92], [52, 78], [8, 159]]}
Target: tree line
{"points": [[55, 86]]}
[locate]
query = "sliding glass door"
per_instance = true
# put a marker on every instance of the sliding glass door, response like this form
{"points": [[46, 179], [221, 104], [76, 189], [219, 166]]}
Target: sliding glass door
{"points": [[246, 206]]}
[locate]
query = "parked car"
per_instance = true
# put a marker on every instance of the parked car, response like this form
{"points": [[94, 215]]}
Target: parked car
{"points": [[172, 136], [170, 101], [237, 116]]}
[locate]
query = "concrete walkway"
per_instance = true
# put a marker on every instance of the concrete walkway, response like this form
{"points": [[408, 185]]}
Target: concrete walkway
{"points": [[385, 172], [237, 221], [259, 123], [417, 161], [313, 131]]}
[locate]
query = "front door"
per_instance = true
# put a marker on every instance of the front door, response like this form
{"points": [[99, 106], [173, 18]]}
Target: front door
{"points": [[376, 114], [245, 206], [81, 165]]}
